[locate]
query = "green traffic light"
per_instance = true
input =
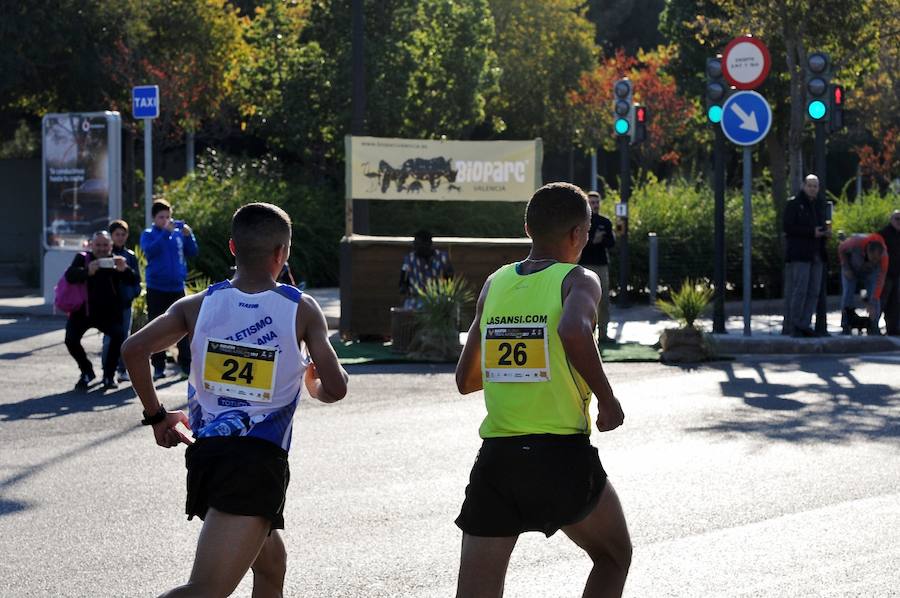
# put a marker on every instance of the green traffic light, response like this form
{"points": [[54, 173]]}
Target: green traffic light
{"points": [[816, 110], [622, 126], [714, 114]]}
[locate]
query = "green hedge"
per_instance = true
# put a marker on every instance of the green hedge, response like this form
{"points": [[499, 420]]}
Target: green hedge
{"points": [[681, 213], [868, 213], [207, 199]]}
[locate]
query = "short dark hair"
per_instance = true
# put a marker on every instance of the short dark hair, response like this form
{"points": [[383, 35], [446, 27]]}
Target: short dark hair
{"points": [[554, 210], [422, 235], [159, 205], [118, 224], [257, 230]]}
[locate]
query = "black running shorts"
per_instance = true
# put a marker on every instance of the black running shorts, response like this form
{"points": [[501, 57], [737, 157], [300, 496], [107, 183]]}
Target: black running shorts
{"points": [[237, 475], [538, 482]]}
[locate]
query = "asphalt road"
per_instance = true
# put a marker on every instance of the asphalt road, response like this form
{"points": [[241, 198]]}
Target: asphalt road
{"points": [[754, 477]]}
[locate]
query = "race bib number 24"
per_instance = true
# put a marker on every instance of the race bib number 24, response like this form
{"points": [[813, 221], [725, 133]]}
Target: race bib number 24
{"points": [[239, 370]]}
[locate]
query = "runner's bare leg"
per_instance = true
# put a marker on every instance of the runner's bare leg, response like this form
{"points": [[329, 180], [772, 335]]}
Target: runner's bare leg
{"points": [[227, 547], [603, 534], [482, 567], [269, 568]]}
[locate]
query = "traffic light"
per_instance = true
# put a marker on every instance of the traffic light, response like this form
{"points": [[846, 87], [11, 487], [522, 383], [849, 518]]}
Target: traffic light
{"points": [[623, 111], [640, 124], [836, 108], [715, 90], [818, 73]]}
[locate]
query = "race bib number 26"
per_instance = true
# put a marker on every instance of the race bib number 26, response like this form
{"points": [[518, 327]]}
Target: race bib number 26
{"points": [[516, 353], [239, 370]]}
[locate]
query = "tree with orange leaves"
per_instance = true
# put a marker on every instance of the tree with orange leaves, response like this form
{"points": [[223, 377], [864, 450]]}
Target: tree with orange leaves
{"points": [[672, 115]]}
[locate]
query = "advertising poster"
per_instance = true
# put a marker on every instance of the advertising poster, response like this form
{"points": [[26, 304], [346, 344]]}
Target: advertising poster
{"points": [[404, 169], [78, 175]]}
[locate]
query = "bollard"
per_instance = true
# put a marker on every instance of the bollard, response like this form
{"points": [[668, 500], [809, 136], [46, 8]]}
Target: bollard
{"points": [[654, 266]]}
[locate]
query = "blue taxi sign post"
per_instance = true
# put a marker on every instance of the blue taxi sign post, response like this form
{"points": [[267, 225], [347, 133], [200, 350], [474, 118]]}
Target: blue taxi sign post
{"points": [[746, 120], [145, 105]]}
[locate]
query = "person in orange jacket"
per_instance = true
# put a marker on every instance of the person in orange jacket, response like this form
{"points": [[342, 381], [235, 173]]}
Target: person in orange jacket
{"points": [[864, 262]]}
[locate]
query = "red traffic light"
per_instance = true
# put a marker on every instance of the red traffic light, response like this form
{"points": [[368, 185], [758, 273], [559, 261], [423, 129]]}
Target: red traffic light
{"points": [[640, 114], [838, 95]]}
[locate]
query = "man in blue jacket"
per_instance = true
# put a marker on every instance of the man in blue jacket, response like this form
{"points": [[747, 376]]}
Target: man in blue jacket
{"points": [[167, 244]]}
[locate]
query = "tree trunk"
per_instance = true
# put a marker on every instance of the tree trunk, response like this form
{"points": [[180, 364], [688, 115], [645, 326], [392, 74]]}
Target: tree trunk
{"points": [[796, 55], [778, 166]]}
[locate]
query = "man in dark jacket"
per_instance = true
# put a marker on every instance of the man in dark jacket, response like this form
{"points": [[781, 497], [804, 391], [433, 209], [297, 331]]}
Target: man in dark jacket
{"points": [[104, 275], [891, 293], [594, 257], [118, 231], [804, 227], [167, 244]]}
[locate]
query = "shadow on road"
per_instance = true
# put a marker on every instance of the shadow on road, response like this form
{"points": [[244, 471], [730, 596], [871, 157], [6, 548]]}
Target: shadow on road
{"points": [[69, 402], [8, 507], [65, 403], [14, 329], [838, 407]]}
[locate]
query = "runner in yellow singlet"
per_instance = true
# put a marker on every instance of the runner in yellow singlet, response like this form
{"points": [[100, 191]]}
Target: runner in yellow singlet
{"points": [[531, 349]]}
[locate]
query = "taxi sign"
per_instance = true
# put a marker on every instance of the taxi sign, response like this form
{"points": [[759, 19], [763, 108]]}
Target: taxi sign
{"points": [[145, 101]]}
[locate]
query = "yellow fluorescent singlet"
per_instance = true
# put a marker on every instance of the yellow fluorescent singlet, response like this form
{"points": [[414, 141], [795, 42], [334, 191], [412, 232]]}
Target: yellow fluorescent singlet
{"points": [[529, 385]]}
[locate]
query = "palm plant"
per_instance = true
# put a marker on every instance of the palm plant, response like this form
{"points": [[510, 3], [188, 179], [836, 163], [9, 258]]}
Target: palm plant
{"points": [[437, 319], [687, 303]]}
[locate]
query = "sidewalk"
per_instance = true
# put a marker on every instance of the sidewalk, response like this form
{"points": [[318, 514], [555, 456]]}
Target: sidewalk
{"points": [[641, 324]]}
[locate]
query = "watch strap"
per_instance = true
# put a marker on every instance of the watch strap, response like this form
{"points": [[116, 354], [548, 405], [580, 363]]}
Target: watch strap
{"points": [[157, 417]]}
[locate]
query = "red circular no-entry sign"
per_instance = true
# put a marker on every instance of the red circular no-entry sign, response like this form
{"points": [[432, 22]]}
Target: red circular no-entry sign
{"points": [[746, 62]]}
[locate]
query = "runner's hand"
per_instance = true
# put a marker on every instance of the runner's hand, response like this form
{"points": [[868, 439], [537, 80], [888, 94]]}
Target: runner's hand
{"points": [[166, 433], [311, 377], [185, 230], [609, 415]]}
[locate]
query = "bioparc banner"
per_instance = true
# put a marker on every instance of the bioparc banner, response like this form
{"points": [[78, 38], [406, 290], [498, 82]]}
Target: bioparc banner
{"points": [[385, 168]]}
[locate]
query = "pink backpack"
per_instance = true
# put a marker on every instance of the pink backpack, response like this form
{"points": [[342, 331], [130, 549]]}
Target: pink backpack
{"points": [[69, 297]]}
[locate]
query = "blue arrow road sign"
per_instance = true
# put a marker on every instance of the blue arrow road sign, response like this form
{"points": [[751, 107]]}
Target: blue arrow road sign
{"points": [[746, 118], [145, 101]]}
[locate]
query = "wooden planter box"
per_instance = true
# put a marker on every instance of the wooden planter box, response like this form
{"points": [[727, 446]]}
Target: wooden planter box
{"points": [[370, 275]]}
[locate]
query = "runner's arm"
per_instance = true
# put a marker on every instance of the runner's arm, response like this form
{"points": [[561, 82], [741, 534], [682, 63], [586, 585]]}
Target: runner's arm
{"points": [[468, 368], [576, 331], [162, 332], [325, 379]]}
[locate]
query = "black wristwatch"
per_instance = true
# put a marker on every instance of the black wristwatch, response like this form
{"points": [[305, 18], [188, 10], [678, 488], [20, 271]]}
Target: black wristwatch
{"points": [[155, 418]]}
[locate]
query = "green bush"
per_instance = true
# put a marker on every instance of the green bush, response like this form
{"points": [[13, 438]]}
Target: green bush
{"points": [[681, 213], [867, 214], [207, 199]]}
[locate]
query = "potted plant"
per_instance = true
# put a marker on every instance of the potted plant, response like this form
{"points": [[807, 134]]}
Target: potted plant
{"points": [[687, 343], [437, 320]]}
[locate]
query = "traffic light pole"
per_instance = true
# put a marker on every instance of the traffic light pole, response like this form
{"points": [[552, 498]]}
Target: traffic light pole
{"points": [[719, 198], [822, 304], [624, 194]]}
